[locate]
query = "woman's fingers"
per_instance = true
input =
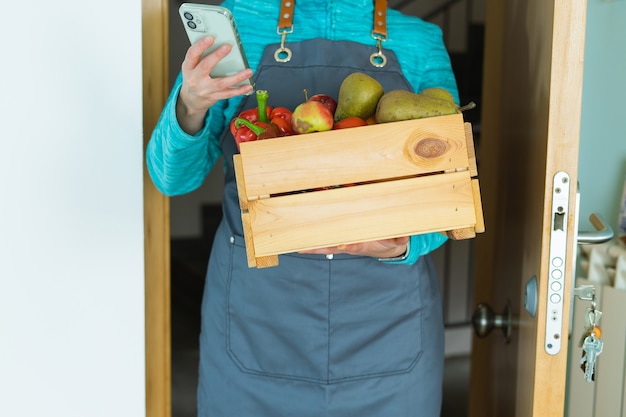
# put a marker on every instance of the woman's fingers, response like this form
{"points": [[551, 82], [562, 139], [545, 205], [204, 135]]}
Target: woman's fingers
{"points": [[194, 54]]}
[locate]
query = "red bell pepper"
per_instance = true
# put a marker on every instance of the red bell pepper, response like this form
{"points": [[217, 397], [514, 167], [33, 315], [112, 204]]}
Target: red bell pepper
{"points": [[253, 115], [248, 131], [281, 116]]}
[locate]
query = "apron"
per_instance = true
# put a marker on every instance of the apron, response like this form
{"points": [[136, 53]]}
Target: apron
{"points": [[316, 335]]}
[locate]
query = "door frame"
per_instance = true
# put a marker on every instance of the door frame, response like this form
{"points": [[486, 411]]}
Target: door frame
{"points": [[155, 59]]}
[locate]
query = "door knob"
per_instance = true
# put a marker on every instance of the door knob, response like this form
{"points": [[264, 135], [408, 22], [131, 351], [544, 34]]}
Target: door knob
{"points": [[484, 320], [603, 232]]}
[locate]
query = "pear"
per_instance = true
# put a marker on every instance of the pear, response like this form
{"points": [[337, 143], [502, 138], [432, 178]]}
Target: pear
{"points": [[436, 92], [358, 96], [399, 105]]}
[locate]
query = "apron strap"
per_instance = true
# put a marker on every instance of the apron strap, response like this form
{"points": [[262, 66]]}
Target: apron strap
{"points": [[285, 21], [379, 32], [380, 19], [285, 26]]}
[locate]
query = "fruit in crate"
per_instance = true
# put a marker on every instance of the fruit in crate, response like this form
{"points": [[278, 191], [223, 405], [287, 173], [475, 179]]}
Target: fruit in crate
{"points": [[351, 121], [439, 93], [397, 105], [358, 95], [311, 116], [326, 100]]}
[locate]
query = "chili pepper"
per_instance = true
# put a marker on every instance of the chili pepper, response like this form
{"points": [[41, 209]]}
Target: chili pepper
{"points": [[254, 115]]}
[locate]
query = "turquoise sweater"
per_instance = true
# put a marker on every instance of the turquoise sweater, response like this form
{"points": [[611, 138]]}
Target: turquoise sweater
{"points": [[178, 163]]}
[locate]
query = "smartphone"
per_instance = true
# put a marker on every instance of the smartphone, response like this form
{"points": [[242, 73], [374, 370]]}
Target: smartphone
{"points": [[202, 20]]}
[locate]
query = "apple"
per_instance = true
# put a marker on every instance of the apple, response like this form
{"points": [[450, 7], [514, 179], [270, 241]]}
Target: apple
{"points": [[311, 116], [326, 100]]}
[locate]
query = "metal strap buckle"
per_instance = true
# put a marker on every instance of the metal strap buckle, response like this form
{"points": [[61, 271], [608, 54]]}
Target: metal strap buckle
{"points": [[378, 59], [283, 54]]}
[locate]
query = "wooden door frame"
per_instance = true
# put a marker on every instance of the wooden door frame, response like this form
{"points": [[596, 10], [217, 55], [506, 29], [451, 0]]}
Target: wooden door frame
{"points": [[155, 59]]}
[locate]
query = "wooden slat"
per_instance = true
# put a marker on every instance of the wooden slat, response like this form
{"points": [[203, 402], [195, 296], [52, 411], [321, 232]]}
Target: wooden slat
{"points": [[461, 234], [383, 151], [249, 238], [267, 261], [362, 213], [241, 184], [471, 153], [479, 227]]}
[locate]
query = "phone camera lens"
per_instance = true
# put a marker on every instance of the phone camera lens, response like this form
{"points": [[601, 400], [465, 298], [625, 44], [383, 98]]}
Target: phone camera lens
{"points": [[191, 24], [188, 16]]}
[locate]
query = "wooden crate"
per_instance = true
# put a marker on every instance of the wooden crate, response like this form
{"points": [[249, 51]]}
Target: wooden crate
{"points": [[359, 184]]}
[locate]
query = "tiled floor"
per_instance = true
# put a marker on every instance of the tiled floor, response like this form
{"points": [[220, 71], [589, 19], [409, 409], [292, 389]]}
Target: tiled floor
{"points": [[186, 293]]}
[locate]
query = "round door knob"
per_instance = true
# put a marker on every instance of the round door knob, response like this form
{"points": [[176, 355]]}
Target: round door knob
{"points": [[484, 320]]}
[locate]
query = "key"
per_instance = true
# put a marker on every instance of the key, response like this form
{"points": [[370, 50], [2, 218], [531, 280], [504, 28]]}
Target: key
{"points": [[592, 348], [585, 292], [592, 317], [597, 332]]}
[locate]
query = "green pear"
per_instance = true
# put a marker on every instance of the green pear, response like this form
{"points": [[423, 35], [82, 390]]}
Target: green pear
{"points": [[399, 105], [436, 92], [358, 96]]}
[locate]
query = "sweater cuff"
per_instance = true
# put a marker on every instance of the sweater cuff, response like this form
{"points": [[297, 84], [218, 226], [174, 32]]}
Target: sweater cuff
{"points": [[181, 139], [417, 246]]}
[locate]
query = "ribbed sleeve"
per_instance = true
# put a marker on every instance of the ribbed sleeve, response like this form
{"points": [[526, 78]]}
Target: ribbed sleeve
{"points": [[178, 162]]}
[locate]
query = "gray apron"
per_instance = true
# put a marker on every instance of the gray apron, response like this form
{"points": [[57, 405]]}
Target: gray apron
{"points": [[347, 336]]}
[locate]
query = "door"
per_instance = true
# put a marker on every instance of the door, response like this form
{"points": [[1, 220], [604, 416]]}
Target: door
{"points": [[530, 131]]}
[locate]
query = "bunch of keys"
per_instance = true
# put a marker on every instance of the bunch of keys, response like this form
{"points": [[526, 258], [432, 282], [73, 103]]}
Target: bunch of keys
{"points": [[591, 341]]}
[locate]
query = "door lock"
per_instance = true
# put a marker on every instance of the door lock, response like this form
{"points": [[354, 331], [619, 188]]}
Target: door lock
{"points": [[484, 320]]}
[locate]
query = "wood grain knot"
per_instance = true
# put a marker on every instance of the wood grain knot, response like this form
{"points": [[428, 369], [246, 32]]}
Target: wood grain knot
{"points": [[431, 148]]}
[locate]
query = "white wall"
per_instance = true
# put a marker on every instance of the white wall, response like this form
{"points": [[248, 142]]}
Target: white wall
{"points": [[602, 167], [71, 216]]}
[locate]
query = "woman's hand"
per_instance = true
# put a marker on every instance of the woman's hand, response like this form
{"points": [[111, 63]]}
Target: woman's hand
{"points": [[385, 248], [199, 91]]}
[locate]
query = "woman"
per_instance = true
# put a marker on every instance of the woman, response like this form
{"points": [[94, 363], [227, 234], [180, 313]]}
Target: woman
{"points": [[348, 331]]}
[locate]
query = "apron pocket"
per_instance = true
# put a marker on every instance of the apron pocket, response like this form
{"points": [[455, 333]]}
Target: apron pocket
{"points": [[324, 321], [376, 324], [277, 318]]}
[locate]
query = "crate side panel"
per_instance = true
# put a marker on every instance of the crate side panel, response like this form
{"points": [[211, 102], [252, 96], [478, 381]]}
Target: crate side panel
{"points": [[355, 155], [362, 213]]}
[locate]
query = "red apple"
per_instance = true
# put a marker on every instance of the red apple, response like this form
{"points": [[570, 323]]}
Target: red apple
{"points": [[311, 116], [326, 100]]}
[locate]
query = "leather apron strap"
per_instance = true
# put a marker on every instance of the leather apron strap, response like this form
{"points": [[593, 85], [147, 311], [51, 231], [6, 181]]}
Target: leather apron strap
{"points": [[379, 31]]}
